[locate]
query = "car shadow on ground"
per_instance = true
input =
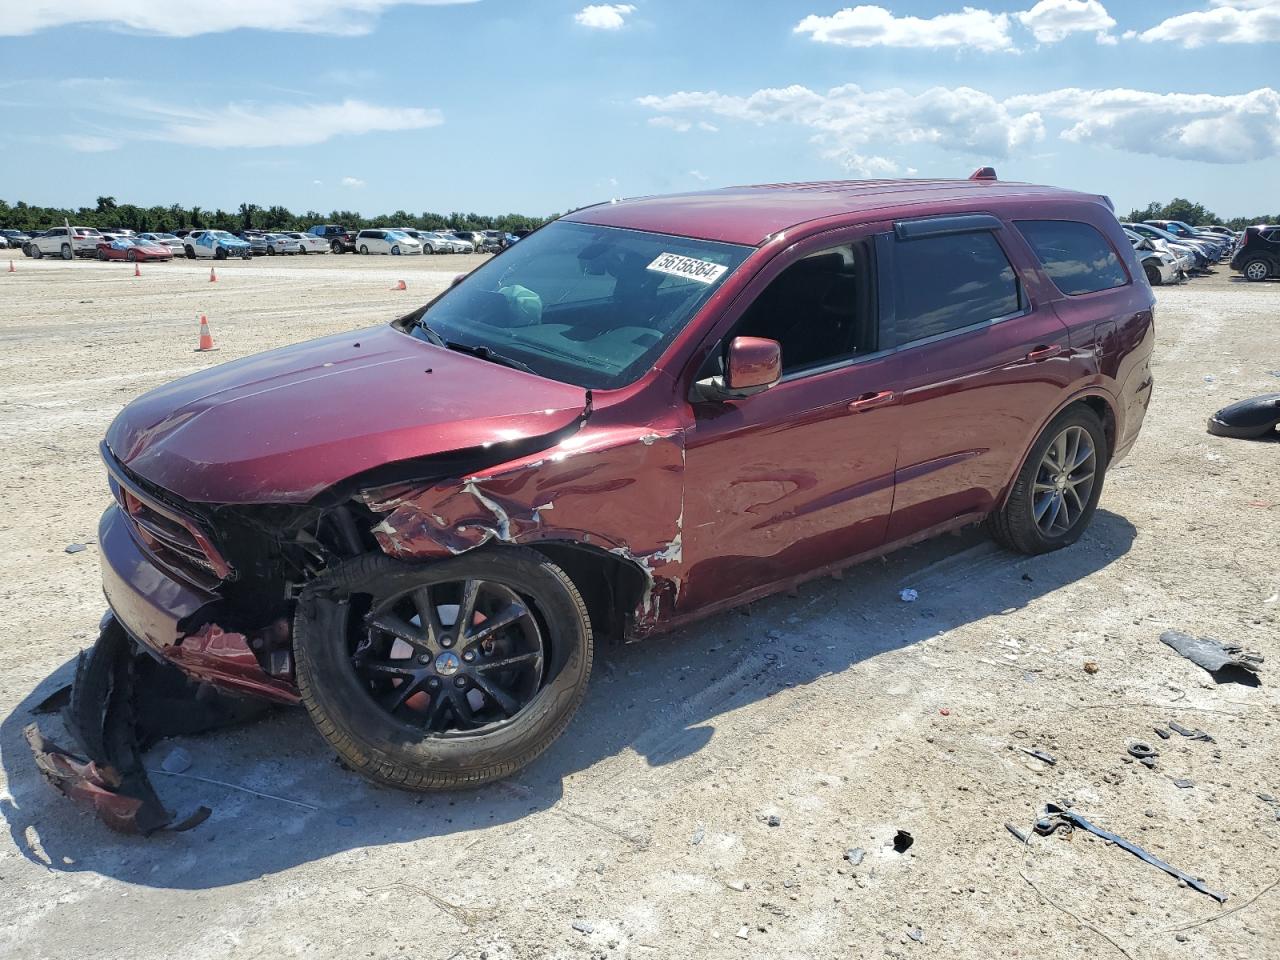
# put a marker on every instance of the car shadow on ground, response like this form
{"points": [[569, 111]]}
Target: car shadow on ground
{"points": [[660, 699]]}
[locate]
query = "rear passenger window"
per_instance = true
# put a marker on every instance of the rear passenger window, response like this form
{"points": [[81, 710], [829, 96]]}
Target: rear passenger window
{"points": [[1076, 257], [944, 283]]}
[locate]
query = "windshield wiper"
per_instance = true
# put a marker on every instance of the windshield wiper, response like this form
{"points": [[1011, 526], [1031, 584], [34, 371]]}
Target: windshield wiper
{"points": [[430, 334], [485, 353]]}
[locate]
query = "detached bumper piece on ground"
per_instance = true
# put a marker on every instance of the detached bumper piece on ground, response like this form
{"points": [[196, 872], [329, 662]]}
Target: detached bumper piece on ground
{"points": [[1251, 419], [121, 702]]}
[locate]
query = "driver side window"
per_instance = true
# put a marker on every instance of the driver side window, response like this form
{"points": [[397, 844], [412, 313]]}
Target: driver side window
{"points": [[821, 309]]}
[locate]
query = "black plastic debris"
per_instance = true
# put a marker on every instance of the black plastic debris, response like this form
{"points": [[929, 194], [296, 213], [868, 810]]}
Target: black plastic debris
{"points": [[902, 841], [1141, 751], [1057, 817], [1184, 784], [1196, 734], [1251, 419], [75, 547], [1041, 756], [1225, 662]]}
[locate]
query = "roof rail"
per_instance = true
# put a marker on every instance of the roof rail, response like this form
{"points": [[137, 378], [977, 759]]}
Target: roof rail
{"points": [[984, 173]]}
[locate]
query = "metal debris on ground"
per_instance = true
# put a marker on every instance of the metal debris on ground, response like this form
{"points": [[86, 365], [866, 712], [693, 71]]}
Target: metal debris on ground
{"points": [[916, 934], [1041, 756], [1162, 733], [855, 855], [176, 761], [1213, 655], [583, 927], [1196, 734], [75, 547], [1057, 816], [1184, 784], [1020, 834]]}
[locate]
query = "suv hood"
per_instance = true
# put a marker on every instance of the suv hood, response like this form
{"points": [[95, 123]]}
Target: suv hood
{"points": [[283, 426]]}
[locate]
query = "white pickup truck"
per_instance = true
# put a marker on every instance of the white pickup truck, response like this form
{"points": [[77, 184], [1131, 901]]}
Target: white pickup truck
{"points": [[58, 242]]}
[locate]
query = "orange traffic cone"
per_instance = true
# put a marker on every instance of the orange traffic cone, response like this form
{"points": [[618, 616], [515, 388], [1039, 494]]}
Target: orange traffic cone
{"points": [[206, 338], [136, 271], [399, 285], [213, 277], [11, 270]]}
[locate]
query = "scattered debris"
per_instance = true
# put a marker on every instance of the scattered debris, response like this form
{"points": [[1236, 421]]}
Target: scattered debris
{"points": [[1021, 835], [902, 841], [583, 927], [176, 761], [1162, 733], [1139, 750], [1250, 419], [854, 856], [1213, 655], [1090, 666], [916, 934], [1196, 734], [739, 885], [1184, 784], [908, 595], [75, 547], [1057, 816], [773, 820], [1041, 756], [742, 933], [698, 835], [945, 711]]}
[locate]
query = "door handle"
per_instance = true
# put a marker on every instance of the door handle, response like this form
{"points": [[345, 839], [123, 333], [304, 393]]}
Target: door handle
{"points": [[1044, 353], [869, 400]]}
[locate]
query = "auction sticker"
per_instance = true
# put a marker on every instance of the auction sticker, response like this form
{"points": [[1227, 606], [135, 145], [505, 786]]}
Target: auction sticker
{"points": [[702, 271]]}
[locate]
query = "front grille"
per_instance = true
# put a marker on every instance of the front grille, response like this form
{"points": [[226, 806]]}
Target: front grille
{"points": [[173, 540]]}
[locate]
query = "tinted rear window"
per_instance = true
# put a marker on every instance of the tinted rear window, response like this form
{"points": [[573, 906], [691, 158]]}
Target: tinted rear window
{"points": [[945, 283], [1076, 257]]}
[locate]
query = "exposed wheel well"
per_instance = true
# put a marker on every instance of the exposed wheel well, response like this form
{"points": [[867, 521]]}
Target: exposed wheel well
{"points": [[1103, 409], [612, 586]]}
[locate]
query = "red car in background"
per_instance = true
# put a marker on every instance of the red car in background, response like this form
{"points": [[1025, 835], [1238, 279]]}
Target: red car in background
{"points": [[133, 250]]}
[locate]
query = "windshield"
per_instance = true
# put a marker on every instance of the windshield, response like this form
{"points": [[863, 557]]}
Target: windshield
{"points": [[584, 304], [221, 235]]}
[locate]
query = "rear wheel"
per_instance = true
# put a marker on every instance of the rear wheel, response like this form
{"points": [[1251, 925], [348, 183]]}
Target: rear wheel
{"points": [[191, 253], [1056, 492], [335, 247], [102, 254], [442, 675], [1256, 269], [67, 252]]}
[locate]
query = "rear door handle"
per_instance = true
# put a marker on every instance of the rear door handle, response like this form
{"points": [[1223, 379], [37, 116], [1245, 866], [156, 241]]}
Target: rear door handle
{"points": [[1044, 353], [869, 400]]}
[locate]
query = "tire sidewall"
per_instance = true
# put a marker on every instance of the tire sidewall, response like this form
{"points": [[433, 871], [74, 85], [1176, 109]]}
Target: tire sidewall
{"points": [[332, 691], [1073, 416], [1266, 270]]}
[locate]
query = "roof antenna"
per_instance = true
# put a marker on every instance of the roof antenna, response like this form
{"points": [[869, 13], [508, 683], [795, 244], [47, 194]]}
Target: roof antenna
{"points": [[984, 173]]}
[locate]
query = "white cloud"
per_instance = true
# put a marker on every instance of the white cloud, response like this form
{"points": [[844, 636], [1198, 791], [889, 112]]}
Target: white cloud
{"points": [[699, 176], [318, 183], [1187, 126], [861, 166], [88, 143], [247, 125], [682, 126], [1052, 20], [1228, 21], [846, 120], [343, 17], [604, 16], [352, 182], [869, 26]]}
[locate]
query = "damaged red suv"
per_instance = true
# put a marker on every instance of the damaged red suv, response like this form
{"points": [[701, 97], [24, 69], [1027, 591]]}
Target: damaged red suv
{"points": [[643, 413]]}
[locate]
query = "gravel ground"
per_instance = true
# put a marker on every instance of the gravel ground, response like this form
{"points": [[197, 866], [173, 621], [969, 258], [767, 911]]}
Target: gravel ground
{"points": [[843, 712]]}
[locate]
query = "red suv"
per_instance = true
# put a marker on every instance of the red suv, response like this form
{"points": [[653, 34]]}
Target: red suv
{"points": [[641, 414]]}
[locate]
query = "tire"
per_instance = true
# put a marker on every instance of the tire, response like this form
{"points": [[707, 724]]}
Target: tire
{"points": [[67, 252], [395, 250], [131, 256], [1256, 270], [271, 251], [191, 252], [36, 252], [364, 249], [102, 254], [1153, 275], [219, 253], [27, 249], [404, 754], [1016, 525], [335, 248]]}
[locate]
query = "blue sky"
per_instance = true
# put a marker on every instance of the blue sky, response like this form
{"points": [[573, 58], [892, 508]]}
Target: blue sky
{"points": [[538, 106]]}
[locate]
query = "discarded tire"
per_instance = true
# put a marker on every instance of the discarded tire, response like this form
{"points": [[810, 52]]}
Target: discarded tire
{"points": [[1249, 419]]}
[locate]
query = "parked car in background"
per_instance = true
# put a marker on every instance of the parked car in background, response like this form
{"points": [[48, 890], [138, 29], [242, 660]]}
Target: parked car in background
{"points": [[217, 244], [64, 243], [4, 242], [1197, 252], [386, 241], [256, 240], [473, 237], [121, 232], [1258, 255], [1159, 267], [132, 249], [281, 243], [341, 240], [174, 243], [307, 242], [17, 239], [843, 370], [1215, 244], [446, 242]]}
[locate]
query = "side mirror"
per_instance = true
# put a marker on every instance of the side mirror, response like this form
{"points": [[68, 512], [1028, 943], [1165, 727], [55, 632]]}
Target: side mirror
{"points": [[752, 364], [457, 280]]}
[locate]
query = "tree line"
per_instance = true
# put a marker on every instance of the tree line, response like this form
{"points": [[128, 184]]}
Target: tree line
{"points": [[1195, 214], [109, 214]]}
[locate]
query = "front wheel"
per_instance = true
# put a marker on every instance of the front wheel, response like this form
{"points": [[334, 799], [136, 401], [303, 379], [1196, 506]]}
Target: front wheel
{"points": [[364, 249], [1056, 492], [1153, 275], [131, 256], [102, 254], [1256, 270], [447, 674], [395, 250], [219, 253]]}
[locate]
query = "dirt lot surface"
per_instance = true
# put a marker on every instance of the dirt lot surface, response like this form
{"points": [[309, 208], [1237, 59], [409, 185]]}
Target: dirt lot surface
{"points": [[844, 712]]}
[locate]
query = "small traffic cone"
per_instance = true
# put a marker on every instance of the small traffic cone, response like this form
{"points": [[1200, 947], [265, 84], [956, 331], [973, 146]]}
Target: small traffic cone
{"points": [[11, 270], [206, 338], [400, 285], [213, 277], [136, 271]]}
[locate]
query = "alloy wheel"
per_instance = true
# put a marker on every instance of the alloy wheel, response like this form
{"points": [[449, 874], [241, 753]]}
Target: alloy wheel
{"points": [[1064, 481], [452, 657], [1256, 270]]}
